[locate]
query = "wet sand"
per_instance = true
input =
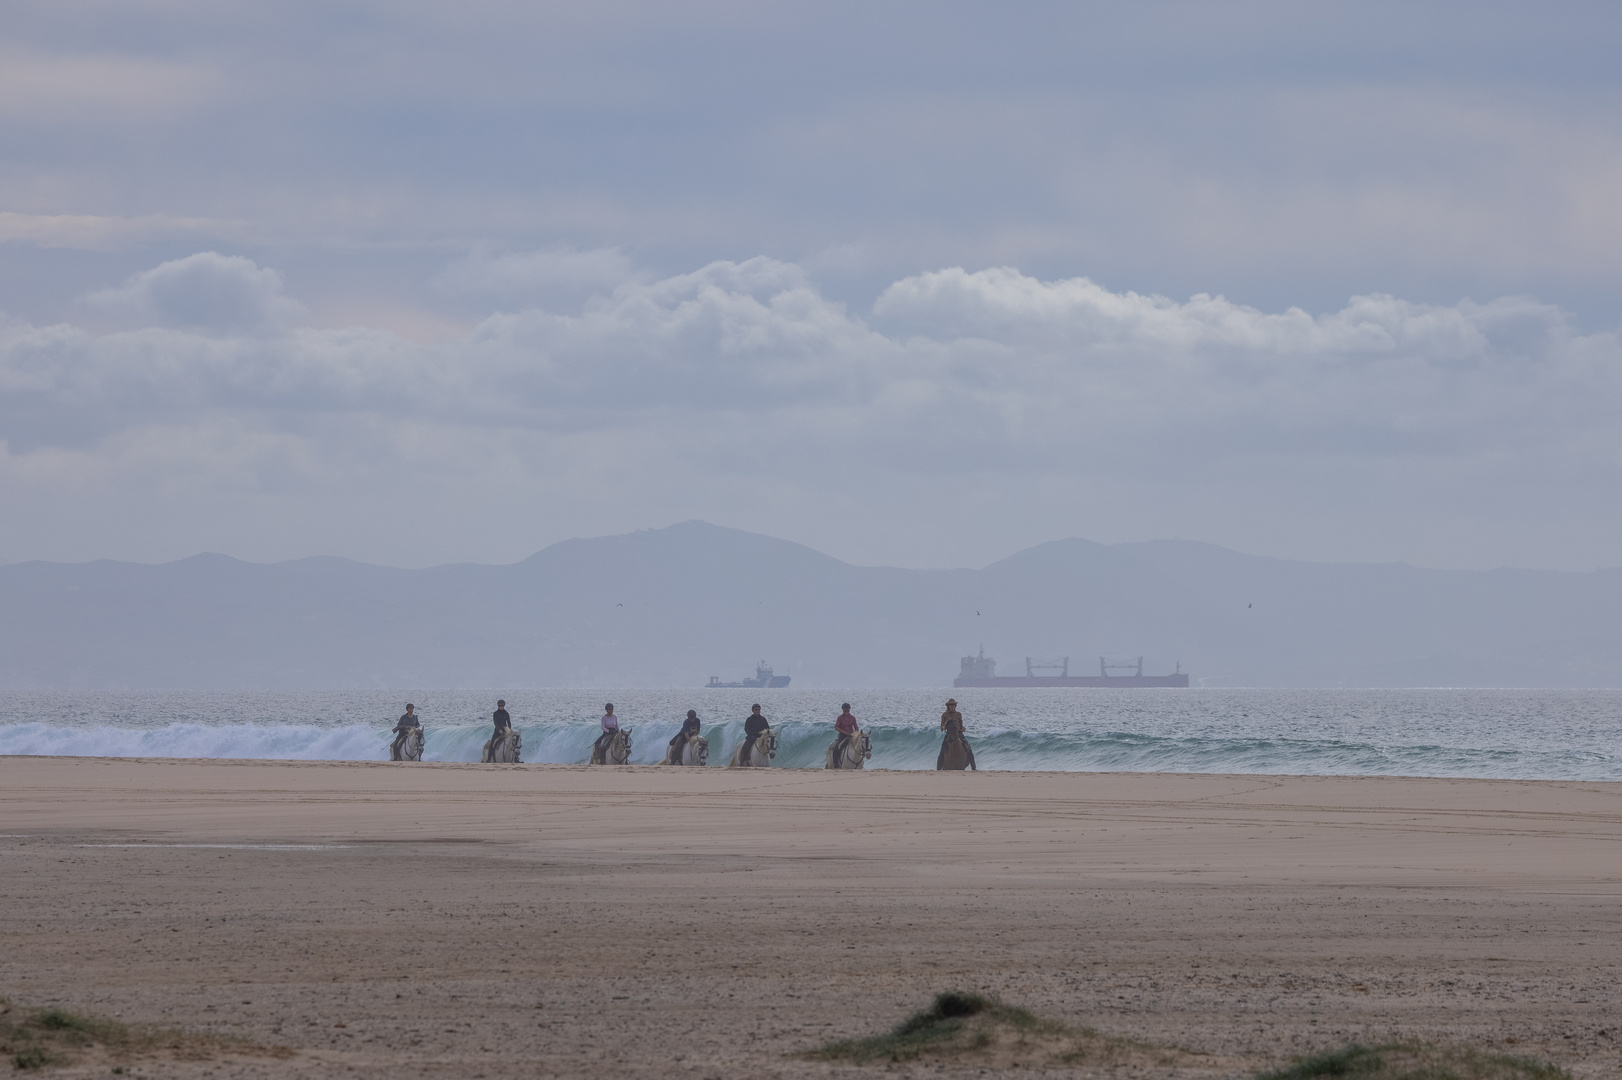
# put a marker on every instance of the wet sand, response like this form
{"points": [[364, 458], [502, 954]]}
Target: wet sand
{"points": [[494, 921]]}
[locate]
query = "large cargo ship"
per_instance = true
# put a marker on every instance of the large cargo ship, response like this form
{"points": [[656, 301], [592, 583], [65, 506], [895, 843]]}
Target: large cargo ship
{"points": [[764, 679], [982, 671]]}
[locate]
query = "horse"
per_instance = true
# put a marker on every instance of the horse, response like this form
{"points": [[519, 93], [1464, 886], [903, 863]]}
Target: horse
{"points": [[616, 751], [760, 756], [695, 751], [505, 750], [408, 748], [954, 753], [856, 751]]}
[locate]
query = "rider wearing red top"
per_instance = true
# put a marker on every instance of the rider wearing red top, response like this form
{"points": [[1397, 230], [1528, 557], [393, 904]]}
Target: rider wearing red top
{"points": [[846, 726]]}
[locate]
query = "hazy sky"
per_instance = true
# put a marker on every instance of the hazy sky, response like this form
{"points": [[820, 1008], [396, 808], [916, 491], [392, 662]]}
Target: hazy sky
{"points": [[918, 284]]}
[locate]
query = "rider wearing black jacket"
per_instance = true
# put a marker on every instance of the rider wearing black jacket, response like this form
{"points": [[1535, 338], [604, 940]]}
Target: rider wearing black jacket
{"points": [[752, 728], [408, 720], [502, 720], [678, 743]]}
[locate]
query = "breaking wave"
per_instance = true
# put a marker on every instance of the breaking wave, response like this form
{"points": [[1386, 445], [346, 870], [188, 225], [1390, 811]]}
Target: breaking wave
{"points": [[1440, 744]]}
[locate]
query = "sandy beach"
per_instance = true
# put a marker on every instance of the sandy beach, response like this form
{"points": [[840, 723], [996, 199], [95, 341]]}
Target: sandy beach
{"points": [[493, 921]]}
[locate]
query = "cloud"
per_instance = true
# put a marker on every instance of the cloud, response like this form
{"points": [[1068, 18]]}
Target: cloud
{"points": [[1029, 363], [207, 292], [739, 390]]}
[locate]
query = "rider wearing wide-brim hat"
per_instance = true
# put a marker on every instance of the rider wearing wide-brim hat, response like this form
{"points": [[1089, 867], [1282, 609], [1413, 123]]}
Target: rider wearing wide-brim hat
{"points": [[952, 724]]}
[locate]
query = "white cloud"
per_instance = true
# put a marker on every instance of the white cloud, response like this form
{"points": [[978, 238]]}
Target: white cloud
{"points": [[206, 291], [738, 390]]}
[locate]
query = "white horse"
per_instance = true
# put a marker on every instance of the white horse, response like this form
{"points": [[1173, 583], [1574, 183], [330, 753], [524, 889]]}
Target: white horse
{"points": [[408, 748], [616, 751], [695, 751], [505, 750], [760, 756], [856, 751]]}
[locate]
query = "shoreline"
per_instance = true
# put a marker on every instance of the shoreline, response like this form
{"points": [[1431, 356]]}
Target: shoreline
{"points": [[789, 770], [433, 921]]}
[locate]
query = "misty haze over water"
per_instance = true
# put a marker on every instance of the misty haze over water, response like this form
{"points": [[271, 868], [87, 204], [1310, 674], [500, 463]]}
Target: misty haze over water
{"points": [[671, 607]]}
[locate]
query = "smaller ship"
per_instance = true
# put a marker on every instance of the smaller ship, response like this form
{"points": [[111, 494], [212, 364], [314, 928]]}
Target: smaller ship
{"points": [[763, 680]]}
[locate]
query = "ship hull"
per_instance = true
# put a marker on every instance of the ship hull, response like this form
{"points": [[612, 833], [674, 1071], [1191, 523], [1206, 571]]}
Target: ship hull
{"points": [[1075, 680]]}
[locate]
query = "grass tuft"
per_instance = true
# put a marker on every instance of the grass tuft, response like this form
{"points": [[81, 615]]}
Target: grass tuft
{"points": [[1416, 1061], [961, 1023], [947, 1007], [1352, 1060], [58, 1020], [36, 1038], [939, 1023], [32, 1057], [964, 1028]]}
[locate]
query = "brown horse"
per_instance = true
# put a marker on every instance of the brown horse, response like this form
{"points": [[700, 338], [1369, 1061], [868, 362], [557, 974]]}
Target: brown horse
{"points": [[955, 754]]}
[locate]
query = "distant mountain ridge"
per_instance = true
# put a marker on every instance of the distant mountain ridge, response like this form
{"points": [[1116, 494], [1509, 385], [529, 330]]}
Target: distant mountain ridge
{"points": [[670, 607]]}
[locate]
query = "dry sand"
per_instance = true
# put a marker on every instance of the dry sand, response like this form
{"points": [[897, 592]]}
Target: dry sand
{"points": [[487, 921]]}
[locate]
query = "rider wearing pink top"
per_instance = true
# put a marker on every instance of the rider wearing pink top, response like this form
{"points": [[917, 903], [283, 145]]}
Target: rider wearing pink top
{"points": [[611, 724], [847, 727]]}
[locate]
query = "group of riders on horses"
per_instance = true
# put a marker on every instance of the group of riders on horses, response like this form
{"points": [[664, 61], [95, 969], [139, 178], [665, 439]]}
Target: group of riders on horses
{"points": [[849, 750]]}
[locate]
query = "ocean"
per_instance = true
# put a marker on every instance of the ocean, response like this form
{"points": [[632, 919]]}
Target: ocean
{"points": [[1510, 734]]}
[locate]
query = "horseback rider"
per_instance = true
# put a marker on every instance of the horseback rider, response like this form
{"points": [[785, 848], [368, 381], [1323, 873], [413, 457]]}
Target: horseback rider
{"points": [[752, 729], [952, 724], [611, 726], [408, 720], [847, 727], [502, 720], [678, 742]]}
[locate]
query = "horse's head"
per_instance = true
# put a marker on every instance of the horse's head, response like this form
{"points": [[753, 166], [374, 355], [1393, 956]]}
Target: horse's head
{"points": [[701, 750], [864, 744], [768, 742]]}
